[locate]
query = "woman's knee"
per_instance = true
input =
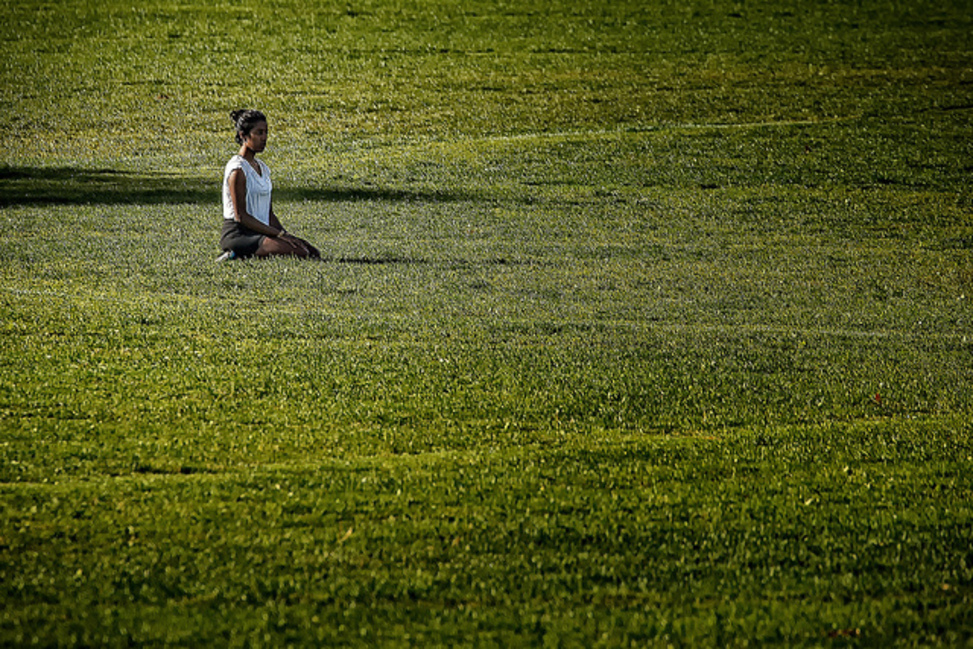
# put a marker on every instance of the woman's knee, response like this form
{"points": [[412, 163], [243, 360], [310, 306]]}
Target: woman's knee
{"points": [[273, 246]]}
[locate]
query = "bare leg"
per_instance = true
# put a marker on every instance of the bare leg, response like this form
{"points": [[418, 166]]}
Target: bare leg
{"points": [[285, 246], [311, 250]]}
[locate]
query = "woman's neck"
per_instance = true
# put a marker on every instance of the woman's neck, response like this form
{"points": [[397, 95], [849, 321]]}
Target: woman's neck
{"points": [[247, 154]]}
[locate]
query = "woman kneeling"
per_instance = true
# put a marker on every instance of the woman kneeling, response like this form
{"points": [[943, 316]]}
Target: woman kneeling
{"points": [[250, 227]]}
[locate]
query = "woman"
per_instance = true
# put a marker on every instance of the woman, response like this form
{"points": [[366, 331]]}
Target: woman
{"points": [[250, 227]]}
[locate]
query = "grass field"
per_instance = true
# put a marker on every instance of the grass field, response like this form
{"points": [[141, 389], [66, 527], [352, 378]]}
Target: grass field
{"points": [[639, 324]]}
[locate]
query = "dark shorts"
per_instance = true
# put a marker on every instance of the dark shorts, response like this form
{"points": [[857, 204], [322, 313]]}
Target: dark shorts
{"points": [[243, 241]]}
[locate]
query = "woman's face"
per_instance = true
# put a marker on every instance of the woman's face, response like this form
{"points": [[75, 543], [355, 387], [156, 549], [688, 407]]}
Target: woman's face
{"points": [[256, 140]]}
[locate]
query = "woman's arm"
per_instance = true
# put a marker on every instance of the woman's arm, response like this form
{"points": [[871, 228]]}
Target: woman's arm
{"points": [[238, 195], [274, 221]]}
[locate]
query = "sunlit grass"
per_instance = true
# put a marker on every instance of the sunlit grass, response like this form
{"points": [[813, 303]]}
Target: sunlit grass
{"points": [[637, 325]]}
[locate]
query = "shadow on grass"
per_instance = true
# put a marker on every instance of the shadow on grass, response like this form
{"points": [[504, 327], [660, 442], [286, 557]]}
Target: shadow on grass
{"points": [[27, 186], [74, 186], [355, 194], [377, 260]]}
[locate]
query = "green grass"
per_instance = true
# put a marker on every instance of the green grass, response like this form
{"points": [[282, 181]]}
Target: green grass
{"points": [[643, 324]]}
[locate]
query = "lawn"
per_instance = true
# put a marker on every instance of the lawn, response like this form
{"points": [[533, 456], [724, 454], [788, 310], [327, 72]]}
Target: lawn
{"points": [[639, 324]]}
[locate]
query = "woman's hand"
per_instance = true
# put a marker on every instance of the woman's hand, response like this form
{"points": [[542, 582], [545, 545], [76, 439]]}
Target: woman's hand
{"points": [[290, 238]]}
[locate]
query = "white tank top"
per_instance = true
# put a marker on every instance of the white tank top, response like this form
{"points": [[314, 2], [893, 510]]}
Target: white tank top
{"points": [[258, 189]]}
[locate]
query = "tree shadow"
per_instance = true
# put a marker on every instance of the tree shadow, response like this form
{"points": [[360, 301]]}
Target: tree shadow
{"points": [[38, 186], [371, 193], [75, 186]]}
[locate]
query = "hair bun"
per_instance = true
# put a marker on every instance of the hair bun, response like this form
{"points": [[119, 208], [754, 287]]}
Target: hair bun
{"points": [[235, 115]]}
